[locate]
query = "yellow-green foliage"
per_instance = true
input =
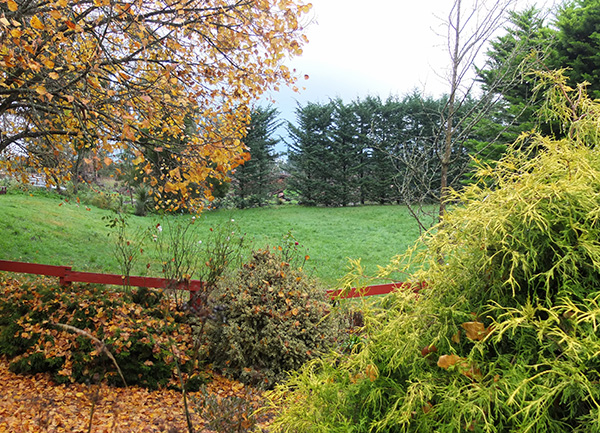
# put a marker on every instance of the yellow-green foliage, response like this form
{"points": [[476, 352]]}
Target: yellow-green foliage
{"points": [[505, 337]]}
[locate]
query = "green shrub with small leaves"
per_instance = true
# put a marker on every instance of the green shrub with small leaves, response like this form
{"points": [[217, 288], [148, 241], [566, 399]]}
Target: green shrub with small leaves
{"points": [[82, 333], [267, 320], [504, 337], [95, 195]]}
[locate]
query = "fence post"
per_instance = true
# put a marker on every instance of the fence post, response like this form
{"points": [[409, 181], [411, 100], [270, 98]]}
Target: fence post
{"points": [[63, 278]]}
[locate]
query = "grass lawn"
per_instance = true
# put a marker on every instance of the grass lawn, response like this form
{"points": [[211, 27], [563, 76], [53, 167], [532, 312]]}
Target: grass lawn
{"points": [[42, 228]]}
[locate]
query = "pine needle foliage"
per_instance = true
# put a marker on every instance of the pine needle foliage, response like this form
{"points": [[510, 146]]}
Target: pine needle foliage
{"points": [[505, 336]]}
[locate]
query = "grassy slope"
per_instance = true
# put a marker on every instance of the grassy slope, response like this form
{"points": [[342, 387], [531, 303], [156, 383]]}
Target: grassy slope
{"points": [[38, 229]]}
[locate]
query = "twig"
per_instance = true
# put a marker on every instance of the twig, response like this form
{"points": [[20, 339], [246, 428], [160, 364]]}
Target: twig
{"points": [[99, 344]]}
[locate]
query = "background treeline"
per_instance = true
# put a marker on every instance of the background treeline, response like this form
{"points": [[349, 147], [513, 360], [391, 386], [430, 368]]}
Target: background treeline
{"points": [[384, 151], [365, 151]]}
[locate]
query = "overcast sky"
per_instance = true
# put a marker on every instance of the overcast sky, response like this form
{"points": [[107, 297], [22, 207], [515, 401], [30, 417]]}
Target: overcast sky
{"points": [[380, 47]]}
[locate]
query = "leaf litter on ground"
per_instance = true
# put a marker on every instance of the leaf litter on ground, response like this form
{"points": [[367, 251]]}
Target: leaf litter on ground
{"points": [[36, 404]]}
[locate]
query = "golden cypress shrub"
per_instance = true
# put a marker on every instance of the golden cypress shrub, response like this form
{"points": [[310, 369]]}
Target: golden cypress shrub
{"points": [[505, 336]]}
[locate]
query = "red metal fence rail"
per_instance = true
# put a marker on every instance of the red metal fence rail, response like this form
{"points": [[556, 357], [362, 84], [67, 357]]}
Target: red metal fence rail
{"points": [[66, 276]]}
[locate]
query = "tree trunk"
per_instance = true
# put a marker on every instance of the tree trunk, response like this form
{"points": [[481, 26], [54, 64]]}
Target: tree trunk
{"points": [[449, 126]]}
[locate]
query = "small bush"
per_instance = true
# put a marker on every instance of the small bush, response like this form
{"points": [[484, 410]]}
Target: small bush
{"points": [[95, 195], [143, 201], [269, 319], [141, 335]]}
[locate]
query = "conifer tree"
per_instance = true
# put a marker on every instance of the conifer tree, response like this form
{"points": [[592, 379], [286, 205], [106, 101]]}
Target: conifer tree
{"points": [[309, 156], [253, 182]]}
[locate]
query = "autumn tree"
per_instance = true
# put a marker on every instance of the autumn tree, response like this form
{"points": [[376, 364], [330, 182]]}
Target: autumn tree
{"points": [[81, 79]]}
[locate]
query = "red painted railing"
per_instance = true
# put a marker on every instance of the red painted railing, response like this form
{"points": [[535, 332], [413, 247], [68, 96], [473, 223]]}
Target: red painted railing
{"points": [[66, 276], [379, 289]]}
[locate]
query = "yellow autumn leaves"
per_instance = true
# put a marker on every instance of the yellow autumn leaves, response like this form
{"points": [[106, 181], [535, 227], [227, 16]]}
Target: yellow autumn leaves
{"points": [[182, 81]]}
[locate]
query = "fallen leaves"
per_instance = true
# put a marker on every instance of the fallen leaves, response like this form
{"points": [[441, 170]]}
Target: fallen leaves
{"points": [[372, 372], [36, 404], [447, 361], [475, 331], [461, 364]]}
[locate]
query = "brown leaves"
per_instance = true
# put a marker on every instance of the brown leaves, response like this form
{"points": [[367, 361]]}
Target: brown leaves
{"points": [[111, 321], [446, 361], [372, 372], [428, 350], [461, 364], [476, 331], [35, 404]]}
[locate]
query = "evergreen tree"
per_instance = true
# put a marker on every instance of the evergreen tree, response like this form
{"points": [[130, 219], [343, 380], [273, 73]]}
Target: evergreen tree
{"points": [[309, 156], [578, 45], [345, 153], [253, 182], [386, 127], [527, 46], [524, 48], [377, 166]]}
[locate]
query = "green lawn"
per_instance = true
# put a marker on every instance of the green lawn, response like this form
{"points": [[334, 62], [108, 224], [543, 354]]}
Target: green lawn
{"points": [[43, 229]]}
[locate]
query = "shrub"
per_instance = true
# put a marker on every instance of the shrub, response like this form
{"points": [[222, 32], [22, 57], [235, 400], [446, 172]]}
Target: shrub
{"points": [[269, 319], [504, 337], [94, 195], [145, 337], [143, 201]]}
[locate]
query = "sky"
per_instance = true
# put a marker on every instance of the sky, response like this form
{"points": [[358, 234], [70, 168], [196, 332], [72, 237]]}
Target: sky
{"points": [[378, 48]]}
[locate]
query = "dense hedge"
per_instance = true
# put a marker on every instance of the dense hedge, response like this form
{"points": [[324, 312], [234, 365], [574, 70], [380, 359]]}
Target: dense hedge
{"points": [[72, 332]]}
